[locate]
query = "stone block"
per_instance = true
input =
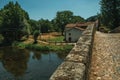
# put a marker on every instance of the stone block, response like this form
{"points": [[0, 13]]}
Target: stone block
{"points": [[85, 39], [76, 56], [87, 32], [82, 47], [69, 71]]}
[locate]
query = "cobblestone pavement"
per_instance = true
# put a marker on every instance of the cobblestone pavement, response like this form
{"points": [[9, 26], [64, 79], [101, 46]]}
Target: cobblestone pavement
{"points": [[105, 63]]}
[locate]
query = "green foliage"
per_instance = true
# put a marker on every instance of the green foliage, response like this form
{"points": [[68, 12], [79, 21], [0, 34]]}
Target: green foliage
{"points": [[55, 25], [14, 22], [34, 25], [110, 13], [1, 20], [1, 38], [36, 34], [18, 44], [64, 17], [45, 26], [92, 18], [65, 48], [76, 19]]}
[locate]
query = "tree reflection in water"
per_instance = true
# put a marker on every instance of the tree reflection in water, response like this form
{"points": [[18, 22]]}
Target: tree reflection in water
{"points": [[28, 65], [36, 55], [62, 55], [15, 60]]}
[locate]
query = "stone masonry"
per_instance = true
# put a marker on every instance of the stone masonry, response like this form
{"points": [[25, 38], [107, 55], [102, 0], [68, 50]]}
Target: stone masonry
{"points": [[76, 64]]}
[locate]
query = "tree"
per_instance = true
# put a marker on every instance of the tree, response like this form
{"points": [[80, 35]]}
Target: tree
{"points": [[45, 26], [63, 18], [76, 19], [1, 20], [14, 22], [110, 13], [34, 25], [92, 18], [36, 34], [55, 26], [1, 38]]}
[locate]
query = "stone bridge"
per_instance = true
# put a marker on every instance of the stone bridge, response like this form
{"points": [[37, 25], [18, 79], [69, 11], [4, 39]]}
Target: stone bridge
{"points": [[96, 56]]}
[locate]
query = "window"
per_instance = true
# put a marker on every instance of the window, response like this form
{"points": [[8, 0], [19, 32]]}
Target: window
{"points": [[69, 34]]}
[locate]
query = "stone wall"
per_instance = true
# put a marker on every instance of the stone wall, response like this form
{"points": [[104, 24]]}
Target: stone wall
{"points": [[76, 64]]}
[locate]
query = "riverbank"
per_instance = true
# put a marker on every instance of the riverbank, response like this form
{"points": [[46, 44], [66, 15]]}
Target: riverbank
{"points": [[41, 47]]}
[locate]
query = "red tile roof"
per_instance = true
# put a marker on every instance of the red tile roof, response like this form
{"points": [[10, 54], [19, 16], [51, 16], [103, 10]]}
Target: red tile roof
{"points": [[78, 25]]}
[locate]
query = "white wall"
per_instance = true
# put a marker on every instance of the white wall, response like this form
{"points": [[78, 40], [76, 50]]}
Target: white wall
{"points": [[75, 34]]}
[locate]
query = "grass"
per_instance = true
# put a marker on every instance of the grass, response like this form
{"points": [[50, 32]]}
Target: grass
{"points": [[38, 47], [50, 36], [47, 37], [53, 37]]}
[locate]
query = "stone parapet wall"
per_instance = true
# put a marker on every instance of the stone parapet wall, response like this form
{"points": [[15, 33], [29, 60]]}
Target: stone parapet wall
{"points": [[76, 64]]}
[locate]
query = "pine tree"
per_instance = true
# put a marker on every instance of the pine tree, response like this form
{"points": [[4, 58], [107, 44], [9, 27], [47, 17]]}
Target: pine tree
{"points": [[110, 13]]}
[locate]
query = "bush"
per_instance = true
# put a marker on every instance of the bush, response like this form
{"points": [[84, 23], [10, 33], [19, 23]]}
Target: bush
{"points": [[38, 47], [19, 45], [36, 34], [1, 38]]}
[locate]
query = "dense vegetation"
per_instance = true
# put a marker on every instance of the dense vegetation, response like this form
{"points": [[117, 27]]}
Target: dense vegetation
{"points": [[109, 16], [64, 17], [40, 47], [110, 13], [36, 34], [92, 18], [15, 23]]}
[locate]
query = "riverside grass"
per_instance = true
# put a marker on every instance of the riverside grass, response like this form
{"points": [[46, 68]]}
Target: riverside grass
{"points": [[41, 47]]}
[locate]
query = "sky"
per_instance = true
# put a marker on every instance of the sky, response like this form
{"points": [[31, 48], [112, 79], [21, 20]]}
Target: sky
{"points": [[47, 9]]}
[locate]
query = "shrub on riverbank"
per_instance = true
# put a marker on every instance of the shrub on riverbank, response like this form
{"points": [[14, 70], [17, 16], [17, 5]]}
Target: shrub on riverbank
{"points": [[38, 47]]}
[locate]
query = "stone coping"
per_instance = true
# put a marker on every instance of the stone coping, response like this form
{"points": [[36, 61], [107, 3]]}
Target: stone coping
{"points": [[76, 64]]}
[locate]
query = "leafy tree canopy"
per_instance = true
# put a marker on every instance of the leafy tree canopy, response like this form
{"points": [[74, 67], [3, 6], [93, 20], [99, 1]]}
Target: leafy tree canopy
{"points": [[13, 22], [92, 18], [34, 25], [64, 17], [36, 34], [45, 26], [77, 19], [110, 13]]}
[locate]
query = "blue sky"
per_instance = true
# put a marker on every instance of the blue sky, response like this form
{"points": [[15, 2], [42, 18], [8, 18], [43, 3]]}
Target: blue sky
{"points": [[47, 9]]}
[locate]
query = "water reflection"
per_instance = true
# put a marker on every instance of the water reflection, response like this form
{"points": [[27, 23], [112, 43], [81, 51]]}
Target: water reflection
{"points": [[62, 55], [28, 65], [14, 60], [36, 55]]}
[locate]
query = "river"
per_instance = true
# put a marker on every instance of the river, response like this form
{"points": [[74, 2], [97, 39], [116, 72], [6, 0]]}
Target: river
{"points": [[21, 64]]}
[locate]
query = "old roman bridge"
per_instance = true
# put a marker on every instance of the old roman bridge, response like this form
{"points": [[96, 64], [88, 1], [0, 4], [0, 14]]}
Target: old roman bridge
{"points": [[96, 56]]}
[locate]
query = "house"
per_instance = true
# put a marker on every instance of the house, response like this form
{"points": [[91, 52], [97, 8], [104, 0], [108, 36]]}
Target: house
{"points": [[74, 31]]}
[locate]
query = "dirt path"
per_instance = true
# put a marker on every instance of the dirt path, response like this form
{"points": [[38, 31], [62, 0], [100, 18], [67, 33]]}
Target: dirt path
{"points": [[106, 57]]}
